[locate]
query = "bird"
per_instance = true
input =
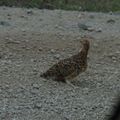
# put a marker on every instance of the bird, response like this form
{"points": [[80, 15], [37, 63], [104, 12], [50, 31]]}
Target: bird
{"points": [[69, 68]]}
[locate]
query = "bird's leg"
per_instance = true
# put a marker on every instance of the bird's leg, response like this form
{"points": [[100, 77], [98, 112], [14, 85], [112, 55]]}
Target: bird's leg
{"points": [[69, 83]]}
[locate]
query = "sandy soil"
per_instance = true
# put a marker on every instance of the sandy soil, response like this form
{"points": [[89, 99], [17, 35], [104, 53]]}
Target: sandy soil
{"points": [[32, 40]]}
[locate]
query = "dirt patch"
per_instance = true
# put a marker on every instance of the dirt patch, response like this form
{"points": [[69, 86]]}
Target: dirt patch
{"points": [[31, 43]]}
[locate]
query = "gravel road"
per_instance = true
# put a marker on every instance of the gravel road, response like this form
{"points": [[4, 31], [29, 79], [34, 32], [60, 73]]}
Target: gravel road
{"points": [[32, 40]]}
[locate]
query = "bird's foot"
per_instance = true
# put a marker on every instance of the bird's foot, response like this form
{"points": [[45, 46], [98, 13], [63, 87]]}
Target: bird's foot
{"points": [[69, 83]]}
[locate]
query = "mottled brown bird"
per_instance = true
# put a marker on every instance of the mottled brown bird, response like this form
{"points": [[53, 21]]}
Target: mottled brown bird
{"points": [[69, 68]]}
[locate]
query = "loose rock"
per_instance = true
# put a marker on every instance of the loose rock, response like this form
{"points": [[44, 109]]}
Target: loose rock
{"points": [[82, 26], [52, 51], [110, 21], [29, 12], [99, 30], [35, 86], [38, 105], [4, 23], [57, 56]]}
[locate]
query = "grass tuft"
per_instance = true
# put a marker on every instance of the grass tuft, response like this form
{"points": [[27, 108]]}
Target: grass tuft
{"points": [[83, 5]]}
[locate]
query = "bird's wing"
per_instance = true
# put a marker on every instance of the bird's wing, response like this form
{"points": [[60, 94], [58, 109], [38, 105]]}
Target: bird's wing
{"points": [[72, 75], [66, 67]]}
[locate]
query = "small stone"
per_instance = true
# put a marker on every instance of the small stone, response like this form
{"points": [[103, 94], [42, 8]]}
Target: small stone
{"points": [[9, 61], [98, 84], [4, 108], [52, 51], [86, 90], [29, 12], [56, 26], [35, 71], [63, 38], [117, 52], [35, 91], [8, 38], [35, 86], [82, 26], [63, 49], [90, 29], [110, 21], [59, 27], [113, 58], [26, 40], [17, 107], [66, 118], [57, 56], [38, 105], [95, 45], [91, 16], [82, 15], [23, 30], [114, 61], [40, 49], [8, 14], [99, 30], [4, 8], [33, 60], [4, 23], [19, 90], [6, 86]]}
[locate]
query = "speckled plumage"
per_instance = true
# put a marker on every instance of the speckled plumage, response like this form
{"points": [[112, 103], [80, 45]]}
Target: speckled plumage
{"points": [[70, 67]]}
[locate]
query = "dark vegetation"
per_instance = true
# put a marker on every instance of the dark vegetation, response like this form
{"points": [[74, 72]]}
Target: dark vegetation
{"points": [[88, 5]]}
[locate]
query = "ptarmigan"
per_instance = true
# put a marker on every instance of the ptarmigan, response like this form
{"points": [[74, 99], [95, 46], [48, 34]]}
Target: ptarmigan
{"points": [[69, 68]]}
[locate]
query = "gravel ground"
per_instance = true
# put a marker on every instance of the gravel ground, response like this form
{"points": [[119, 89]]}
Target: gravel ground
{"points": [[32, 40]]}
